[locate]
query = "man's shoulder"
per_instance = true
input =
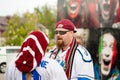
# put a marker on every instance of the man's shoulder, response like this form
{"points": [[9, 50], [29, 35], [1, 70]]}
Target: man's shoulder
{"points": [[52, 50], [83, 52]]}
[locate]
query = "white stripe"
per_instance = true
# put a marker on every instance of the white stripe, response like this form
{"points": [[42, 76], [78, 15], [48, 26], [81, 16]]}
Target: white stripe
{"points": [[21, 53], [37, 43], [25, 49], [86, 76], [46, 37], [34, 64], [33, 54], [30, 50]]}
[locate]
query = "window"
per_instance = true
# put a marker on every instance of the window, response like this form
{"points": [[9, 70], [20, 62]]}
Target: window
{"points": [[12, 50]]}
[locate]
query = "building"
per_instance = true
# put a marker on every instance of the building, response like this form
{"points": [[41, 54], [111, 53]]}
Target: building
{"points": [[3, 26]]}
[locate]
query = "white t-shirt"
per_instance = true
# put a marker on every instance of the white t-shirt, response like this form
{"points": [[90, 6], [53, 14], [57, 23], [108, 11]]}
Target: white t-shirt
{"points": [[82, 67], [48, 69]]}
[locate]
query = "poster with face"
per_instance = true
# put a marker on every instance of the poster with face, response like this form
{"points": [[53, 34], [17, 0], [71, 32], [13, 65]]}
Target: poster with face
{"points": [[104, 46], [108, 12], [107, 52], [98, 24], [82, 36], [75, 10], [90, 13]]}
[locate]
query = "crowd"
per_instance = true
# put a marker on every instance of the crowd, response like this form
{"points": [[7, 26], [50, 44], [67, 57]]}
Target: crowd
{"points": [[68, 60]]}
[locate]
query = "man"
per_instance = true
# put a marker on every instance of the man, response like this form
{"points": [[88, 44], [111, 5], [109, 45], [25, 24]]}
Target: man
{"points": [[74, 58], [30, 64]]}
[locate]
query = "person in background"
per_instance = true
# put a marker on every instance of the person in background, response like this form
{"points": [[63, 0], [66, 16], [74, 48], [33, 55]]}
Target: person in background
{"points": [[82, 36], [30, 63], [106, 68], [74, 58]]}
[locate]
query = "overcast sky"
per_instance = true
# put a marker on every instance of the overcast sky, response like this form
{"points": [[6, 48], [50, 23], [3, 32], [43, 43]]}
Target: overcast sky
{"points": [[10, 7]]}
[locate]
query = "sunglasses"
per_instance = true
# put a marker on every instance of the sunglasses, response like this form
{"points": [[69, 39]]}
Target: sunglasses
{"points": [[61, 32]]}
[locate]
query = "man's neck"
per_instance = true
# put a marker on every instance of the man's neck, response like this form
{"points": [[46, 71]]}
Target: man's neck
{"points": [[65, 47], [28, 76]]}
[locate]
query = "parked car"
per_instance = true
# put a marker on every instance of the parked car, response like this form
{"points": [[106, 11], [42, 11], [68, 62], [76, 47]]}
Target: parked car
{"points": [[7, 53]]}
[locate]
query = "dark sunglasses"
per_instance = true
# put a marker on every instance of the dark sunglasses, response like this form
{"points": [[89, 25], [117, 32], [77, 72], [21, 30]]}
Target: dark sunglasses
{"points": [[61, 32]]}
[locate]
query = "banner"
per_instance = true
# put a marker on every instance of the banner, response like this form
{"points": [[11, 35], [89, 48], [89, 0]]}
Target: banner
{"points": [[90, 13]]}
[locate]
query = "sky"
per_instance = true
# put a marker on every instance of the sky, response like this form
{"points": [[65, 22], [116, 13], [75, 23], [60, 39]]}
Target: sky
{"points": [[10, 7]]}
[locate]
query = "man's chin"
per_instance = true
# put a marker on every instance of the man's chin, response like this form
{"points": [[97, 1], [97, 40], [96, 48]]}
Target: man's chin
{"points": [[59, 42], [59, 45]]}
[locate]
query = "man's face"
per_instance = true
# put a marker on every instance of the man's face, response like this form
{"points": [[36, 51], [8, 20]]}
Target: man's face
{"points": [[105, 9], [63, 37], [73, 8], [60, 41], [107, 53], [108, 8]]}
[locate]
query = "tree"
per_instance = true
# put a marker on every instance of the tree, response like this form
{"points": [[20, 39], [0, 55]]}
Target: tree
{"points": [[20, 26], [47, 17]]}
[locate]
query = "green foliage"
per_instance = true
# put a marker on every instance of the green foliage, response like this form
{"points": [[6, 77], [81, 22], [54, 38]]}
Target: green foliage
{"points": [[20, 26], [47, 17]]}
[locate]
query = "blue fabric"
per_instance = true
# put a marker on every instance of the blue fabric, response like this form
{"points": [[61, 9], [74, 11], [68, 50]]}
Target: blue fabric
{"points": [[96, 70], [23, 76], [114, 72], [35, 75], [83, 78]]}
